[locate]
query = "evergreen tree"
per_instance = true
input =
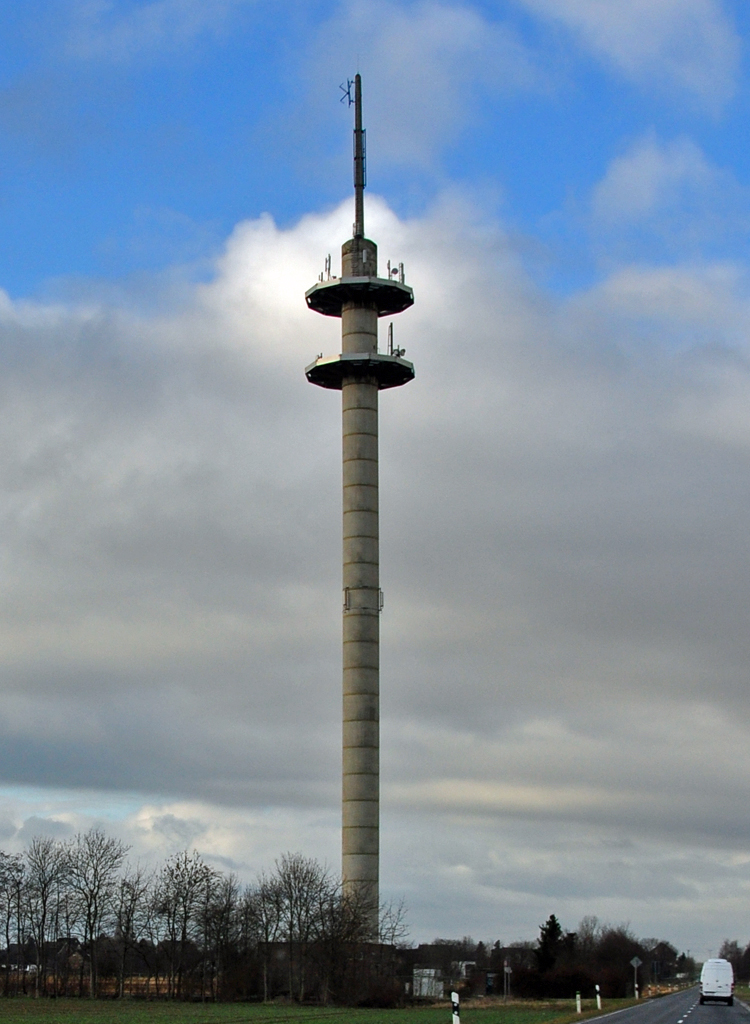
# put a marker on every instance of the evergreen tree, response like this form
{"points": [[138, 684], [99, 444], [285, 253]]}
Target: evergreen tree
{"points": [[550, 937]]}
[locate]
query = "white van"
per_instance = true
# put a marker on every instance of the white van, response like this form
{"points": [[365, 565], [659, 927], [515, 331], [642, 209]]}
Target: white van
{"points": [[717, 981]]}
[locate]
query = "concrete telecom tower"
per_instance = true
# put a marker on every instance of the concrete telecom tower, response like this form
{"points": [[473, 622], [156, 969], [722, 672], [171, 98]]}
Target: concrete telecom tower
{"points": [[359, 297]]}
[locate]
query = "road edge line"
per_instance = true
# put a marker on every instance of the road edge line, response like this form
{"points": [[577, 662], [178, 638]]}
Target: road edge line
{"points": [[624, 1009]]}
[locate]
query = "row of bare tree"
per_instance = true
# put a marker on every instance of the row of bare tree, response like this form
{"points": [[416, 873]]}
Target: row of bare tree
{"points": [[560, 962], [738, 956], [78, 918]]}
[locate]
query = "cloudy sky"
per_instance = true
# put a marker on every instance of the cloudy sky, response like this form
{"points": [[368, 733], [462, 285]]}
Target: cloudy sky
{"points": [[565, 486]]}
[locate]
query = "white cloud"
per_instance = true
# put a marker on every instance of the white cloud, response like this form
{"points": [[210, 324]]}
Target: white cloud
{"points": [[700, 309], [111, 30], [564, 557], [425, 65], [688, 44], [652, 175], [666, 198]]}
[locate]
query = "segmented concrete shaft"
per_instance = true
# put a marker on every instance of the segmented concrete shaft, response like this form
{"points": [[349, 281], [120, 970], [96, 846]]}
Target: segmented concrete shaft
{"points": [[361, 627]]}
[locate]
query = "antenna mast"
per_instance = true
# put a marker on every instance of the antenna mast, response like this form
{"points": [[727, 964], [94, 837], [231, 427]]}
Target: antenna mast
{"points": [[360, 170]]}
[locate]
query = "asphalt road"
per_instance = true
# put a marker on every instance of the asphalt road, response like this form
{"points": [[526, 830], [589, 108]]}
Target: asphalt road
{"points": [[680, 1008]]}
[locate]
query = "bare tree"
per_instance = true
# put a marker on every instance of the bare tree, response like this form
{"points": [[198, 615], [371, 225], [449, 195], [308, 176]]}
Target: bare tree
{"points": [[589, 933], [180, 885], [67, 921], [94, 861], [131, 910], [155, 932], [393, 932], [393, 929], [46, 865], [341, 923], [11, 884], [218, 915], [302, 885], [261, 916]]}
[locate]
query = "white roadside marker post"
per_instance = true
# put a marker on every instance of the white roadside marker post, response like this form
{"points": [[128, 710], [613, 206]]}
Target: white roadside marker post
{"points": [[455, 1007], [598, 998], [578, 1002]]}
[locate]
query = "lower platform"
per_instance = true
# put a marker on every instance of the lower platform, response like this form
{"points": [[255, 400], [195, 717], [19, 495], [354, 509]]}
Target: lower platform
{"points": [[389, 371]]}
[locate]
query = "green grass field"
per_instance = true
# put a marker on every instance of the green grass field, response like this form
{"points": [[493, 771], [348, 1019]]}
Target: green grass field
{"points": [[66, 1011]]}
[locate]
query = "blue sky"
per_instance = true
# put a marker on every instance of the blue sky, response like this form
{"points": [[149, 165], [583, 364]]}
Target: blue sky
{"points": [[135, 135], [565, 553]]}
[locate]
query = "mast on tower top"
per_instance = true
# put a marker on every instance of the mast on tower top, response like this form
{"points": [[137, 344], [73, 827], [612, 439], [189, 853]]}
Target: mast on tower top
{"points": [[359, 283], [360, 157]]}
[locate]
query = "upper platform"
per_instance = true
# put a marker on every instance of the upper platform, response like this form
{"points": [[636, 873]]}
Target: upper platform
{"points": [[389, 371], [388, 297]]}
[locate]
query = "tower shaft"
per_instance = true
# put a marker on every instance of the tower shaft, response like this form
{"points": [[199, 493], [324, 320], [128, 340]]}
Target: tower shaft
{"points": [[360, 844]]}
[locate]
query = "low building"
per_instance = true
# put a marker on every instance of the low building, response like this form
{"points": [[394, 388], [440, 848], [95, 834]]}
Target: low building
{"points": [[428, 983]]}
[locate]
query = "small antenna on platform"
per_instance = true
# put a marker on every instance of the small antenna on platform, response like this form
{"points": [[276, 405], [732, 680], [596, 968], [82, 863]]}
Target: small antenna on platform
{"points": [[394, 350], [360, 158]]}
